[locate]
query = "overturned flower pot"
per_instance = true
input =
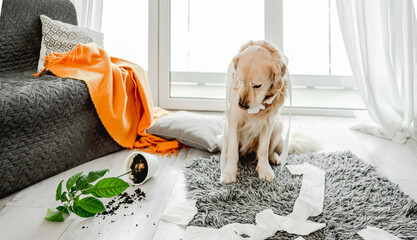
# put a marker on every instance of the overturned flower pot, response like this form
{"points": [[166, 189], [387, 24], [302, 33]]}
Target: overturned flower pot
{"points": [[141, 166]]}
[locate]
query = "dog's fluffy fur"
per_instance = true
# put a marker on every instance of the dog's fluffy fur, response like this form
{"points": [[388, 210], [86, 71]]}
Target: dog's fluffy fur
{"points": [[257, 73]]}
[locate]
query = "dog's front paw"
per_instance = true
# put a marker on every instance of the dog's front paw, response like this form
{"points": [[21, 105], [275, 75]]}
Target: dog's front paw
{"points": [[266, 173], [228, 176], [274, 158]]}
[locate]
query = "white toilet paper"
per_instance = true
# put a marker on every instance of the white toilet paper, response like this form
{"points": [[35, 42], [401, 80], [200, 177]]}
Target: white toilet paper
{"points": [[372, 233], [311, 198], [267, 224], [309, 203], [180, 212], [232, 231]]}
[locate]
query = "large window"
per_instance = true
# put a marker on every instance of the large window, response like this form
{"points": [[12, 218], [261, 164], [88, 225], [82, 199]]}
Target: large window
{"points": [[125, 28], [187, 45], [205, 35], [312, 38], [319, 66]]}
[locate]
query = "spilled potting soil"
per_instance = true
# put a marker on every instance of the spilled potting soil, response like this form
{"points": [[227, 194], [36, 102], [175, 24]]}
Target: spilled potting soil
{"points": [[114, 211], [122, 200]]}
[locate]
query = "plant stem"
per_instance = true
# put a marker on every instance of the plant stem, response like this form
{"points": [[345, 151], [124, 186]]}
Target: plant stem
{"points": [[125, 173]]}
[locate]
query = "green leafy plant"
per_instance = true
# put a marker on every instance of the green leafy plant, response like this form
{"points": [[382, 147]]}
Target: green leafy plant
{"points": [[80, 185]]}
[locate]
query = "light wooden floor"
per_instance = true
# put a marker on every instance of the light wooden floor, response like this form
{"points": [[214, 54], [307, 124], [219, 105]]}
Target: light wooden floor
{"points": [[22, 214]]}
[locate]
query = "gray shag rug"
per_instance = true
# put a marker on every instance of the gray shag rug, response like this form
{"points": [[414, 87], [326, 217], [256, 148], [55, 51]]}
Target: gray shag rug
{"points": [[356, 195]]}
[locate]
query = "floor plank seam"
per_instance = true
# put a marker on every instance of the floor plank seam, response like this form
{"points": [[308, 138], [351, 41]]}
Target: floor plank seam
{"points": [[65, 229]]}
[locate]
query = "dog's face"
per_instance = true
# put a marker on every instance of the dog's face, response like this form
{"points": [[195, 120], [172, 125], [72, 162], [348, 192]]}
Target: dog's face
{"points": [[259, 74]]}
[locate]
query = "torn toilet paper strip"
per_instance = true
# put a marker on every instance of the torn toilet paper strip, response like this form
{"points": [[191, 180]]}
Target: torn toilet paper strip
{"points": [[232, 231], [267, 224], [311, 197], [372, 233], [308, 203], [256, 109], [180, 212]]}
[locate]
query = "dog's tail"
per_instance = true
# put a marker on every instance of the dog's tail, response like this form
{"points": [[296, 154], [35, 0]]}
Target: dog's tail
{"points": [[300, 144]]}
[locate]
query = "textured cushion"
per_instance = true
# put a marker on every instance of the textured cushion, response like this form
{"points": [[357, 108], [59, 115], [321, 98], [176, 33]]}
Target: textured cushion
{"points": [[61, 37], [20, 30], [192, 129]]}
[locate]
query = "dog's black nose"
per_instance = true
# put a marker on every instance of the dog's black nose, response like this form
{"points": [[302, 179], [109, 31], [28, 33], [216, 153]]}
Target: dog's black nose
{"points": [[243, 106]]}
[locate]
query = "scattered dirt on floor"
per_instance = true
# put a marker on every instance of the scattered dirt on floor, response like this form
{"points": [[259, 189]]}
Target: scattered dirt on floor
{"points": [[122, 200], [114, 208]]}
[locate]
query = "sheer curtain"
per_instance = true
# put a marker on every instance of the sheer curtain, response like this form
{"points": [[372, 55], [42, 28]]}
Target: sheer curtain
{"points": [[1, 4], [381, 41], [89, 13]]}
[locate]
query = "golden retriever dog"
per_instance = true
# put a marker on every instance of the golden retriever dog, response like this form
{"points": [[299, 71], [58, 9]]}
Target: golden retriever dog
{"points": [[256, 91]]}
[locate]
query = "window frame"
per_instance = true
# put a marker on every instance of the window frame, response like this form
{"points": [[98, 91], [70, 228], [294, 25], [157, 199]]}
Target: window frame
{"points": [[153, 51], [159, 65]]}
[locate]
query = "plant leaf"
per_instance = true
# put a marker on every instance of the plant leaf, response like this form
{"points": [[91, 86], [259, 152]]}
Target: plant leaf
{"points": [[70, 208], [109, 187], [87, 189], [81, 212], [94, 175], [51, 215], [81, 183], [64, 197], [63, 209], [59, 191], [71, 194], [91, 191], [91, 204], [95, 195], [72, 180]]}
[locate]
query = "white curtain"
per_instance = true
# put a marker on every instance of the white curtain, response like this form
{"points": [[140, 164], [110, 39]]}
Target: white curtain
{"points": [[89, 13], [1, 4], [380, 37]]}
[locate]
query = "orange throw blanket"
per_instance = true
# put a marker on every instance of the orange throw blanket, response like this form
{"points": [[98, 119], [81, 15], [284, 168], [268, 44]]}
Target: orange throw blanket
{"points": [[120, 93]]}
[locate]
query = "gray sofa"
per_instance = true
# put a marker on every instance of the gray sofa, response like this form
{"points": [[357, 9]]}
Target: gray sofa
{"points": [[47, 124]]}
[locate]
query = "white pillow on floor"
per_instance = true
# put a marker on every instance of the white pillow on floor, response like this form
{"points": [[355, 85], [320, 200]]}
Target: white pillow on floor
{"points": [[192, 129]]}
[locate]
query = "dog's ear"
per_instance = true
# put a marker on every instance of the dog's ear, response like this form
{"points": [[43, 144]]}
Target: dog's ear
{"points": [[234, 74], [282, 69], [278, 67], [278, 72], [236, 61]]}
